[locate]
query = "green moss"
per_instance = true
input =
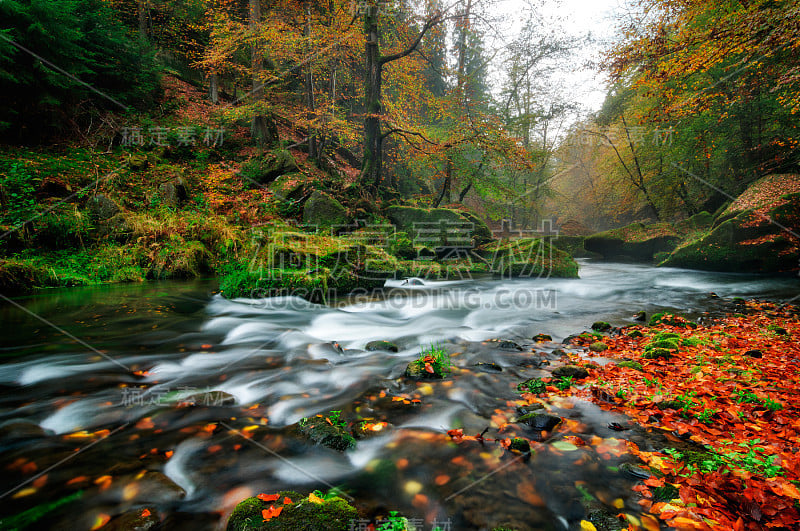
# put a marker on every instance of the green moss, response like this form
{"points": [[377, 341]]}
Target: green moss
{"points": [[520, 445], [635, 241], [529, 258], [598, 346], [334, 514], [658, 353], [630, 364], [601, 326]]}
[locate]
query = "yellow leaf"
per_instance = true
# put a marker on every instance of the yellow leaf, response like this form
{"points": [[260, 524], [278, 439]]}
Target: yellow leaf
{"points": [[587, 526], [315, 499]]}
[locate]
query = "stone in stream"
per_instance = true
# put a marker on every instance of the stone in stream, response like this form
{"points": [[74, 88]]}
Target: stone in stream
{"points": [[333, 514], [520, 445], [416, 371], [387, 346], [634, 472], [18, 429], [542, 338], [540, 421], [210, 398], [571, 371], [640, 316], [330, 434], [601, 326], [488, 366], [141, 519], [598, 346]]}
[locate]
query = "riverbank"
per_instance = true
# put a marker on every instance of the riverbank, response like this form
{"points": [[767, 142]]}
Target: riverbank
{"points": [[729, 388]]}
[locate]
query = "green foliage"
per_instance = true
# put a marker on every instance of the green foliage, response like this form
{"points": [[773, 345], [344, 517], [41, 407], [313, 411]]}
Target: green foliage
{"points": [[534, 385], [564, 383], [752, 459], [18, 190], [440, 359], [80, 37]]}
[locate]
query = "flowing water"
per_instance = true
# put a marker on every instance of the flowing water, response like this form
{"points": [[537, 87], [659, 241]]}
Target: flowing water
{"points": [[105, 391]]}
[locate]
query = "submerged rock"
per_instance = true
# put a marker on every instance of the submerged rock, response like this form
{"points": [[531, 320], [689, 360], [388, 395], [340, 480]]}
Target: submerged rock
{"points": [[542, 338], [387, 346], [135, 520]]}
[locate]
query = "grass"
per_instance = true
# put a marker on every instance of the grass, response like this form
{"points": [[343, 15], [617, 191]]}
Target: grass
{"points": [[437, 358]]}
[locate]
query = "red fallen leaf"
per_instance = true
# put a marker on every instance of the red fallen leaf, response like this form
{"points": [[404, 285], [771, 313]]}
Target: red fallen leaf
{"points": [[268, 497], [287, 500], [429, 368], [456, 435], [145, 513], [272, 512], [574, 439]]}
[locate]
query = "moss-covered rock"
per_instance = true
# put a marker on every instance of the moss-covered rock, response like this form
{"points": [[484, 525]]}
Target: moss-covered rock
{"points": [[528, 257], [264, 170], [749, 236], [598, 346], [532, 385], [302, 514], [630, 364], [322, 210], [573, 245], [634, 242], [455, 227], [520, 445], [326, 432], [601, 326]]}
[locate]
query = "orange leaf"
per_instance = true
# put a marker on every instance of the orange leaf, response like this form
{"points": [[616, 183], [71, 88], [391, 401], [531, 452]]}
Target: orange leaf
{"points": [[268, 497], [315, 499], [429, 368]]}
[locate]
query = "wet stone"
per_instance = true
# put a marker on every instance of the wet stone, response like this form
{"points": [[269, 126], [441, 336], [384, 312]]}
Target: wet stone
{"points": [[540, 421], [387, 346], [570, 371]]}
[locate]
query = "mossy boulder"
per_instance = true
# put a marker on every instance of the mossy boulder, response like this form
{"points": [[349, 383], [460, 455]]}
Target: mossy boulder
{"points": [[332, 514], [636, 242], [439, 226], [598, 346], [601, 326], [264, 170], [334, 435], [102, 208], [532, 385], [528, 258], [574, 246], [635, 365], [520, 445], [322, 210], [749, 236]]}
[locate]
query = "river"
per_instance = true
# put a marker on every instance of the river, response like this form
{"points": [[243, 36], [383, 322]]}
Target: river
{"points": [[102, 393]]}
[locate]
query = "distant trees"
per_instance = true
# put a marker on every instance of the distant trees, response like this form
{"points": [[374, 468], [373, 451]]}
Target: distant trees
{"points": [[62, 60]]}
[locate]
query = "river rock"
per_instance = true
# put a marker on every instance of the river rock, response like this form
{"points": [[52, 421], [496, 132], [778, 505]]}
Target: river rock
{"points": [[540, 421], [210, 398], [416, 371], [142, 519], [598, 346], [333, 514], [334, 436], [640, 316], [634, 472], [601, 326], [20, 429], [542, 338], [570, 371], [387, 346]]}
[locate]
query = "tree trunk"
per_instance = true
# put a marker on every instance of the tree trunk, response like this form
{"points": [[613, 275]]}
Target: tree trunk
{"points": [[446, 185], [309, 82], [372, 90], [260, 128], [142, 13], [213, 89], [464, 192]]}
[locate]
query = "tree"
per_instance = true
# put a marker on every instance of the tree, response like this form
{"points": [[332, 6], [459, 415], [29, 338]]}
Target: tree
{"points": [[371, 172]]}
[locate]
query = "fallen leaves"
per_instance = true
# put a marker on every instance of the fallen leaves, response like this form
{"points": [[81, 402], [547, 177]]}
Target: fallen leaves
{"points": [[740, 407]]}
